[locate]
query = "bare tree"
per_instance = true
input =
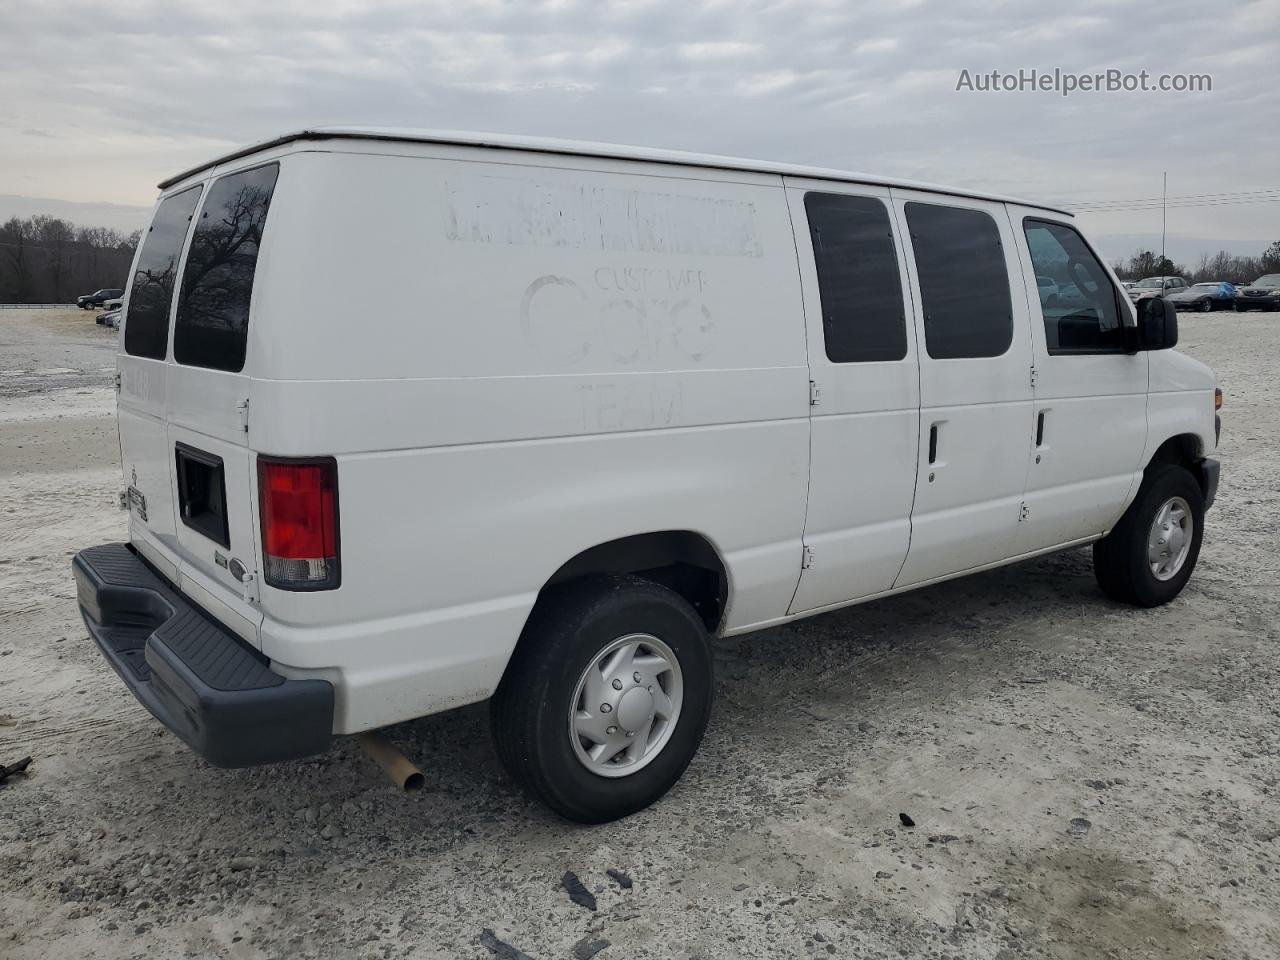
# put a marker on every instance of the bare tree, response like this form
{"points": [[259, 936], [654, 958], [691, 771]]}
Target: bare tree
{"points": [[15, 245], [1271, 258], [45, 259]]}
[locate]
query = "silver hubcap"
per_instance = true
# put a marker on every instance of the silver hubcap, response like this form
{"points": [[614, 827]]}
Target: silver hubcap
{"points": [[626, 705], [1169, 541]]}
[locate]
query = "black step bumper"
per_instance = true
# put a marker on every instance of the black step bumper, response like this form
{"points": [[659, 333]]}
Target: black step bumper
{"points": [[196, 677]]}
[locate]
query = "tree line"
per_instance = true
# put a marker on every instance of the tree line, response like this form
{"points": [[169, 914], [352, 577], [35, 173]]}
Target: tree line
{"points": [[1216, 266], [49, 260]]}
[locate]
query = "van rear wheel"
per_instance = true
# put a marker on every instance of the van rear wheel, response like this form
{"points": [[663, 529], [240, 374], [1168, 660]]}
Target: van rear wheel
{"points": [[606, 698], [1148, 557]]}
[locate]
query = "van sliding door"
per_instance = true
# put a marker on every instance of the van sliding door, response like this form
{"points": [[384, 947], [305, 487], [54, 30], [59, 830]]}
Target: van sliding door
{"points": [[865, 413], [975, 383]]}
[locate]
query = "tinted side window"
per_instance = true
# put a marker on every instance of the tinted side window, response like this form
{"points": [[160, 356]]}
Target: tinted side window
{"points": [[853, 250], [212, 327], [146, 326], [1079, 305], [964, 285]]}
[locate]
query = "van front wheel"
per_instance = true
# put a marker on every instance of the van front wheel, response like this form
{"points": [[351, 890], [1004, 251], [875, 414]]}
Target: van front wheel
{"points": [[606, 698], [1148, 558]]}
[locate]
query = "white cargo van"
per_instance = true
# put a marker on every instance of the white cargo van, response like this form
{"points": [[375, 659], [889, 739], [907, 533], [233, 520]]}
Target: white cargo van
{"points": [[414, 420]]}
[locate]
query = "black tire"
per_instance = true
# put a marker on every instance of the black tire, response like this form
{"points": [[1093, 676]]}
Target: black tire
{"points": [[1120, 558], [1207, 306], [529, 712]]}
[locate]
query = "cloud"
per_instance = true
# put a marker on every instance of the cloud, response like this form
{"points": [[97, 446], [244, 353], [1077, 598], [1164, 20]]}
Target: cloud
{"points": [[759, 84], [98, 101], [719, 50], [882, 45]]}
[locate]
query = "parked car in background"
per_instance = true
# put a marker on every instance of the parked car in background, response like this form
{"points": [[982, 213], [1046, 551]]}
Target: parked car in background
{"points": [[1156, 287], [1048, 288], [1206, 297], [1127, 284], [110, 319], [98, 298], [1262, 294]]}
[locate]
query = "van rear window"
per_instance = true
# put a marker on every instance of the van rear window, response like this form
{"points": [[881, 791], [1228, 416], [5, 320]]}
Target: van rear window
{"points": [[212, 327], [146, 326]]}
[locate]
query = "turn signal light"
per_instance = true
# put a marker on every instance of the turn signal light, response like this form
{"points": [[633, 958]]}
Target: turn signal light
{"points": [[1217, 398]]}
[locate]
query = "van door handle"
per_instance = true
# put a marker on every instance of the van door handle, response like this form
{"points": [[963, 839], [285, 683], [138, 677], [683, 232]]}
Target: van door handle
{"points": [[933, 444], [1040, 429]]}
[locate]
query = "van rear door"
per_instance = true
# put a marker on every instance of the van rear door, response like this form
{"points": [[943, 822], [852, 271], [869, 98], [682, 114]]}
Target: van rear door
{"points": [[206, 407], [142, 373]]}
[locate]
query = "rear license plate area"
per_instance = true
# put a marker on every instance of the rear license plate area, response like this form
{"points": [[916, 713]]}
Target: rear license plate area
{"points": [[202, 493]]}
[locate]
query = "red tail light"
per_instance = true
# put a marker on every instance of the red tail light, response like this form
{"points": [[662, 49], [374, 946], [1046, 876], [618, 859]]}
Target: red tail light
{"points": [[298, 504]]}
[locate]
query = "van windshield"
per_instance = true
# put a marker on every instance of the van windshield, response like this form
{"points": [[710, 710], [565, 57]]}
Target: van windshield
{"points": [[212, 326]]}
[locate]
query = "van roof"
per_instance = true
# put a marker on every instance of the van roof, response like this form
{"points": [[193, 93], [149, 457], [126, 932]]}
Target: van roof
{"points": [[580, 148]]}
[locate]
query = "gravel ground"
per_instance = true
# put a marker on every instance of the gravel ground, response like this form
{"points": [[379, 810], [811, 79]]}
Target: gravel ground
{"points": [[1086, 780]]}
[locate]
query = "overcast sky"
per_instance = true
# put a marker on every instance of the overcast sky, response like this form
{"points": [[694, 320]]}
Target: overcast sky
{"points": [[99, 101]]}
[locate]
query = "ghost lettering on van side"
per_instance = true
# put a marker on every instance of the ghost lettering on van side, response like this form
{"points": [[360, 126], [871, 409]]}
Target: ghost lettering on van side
{"points": [[649, 280], [625, 405], [627, 314]]}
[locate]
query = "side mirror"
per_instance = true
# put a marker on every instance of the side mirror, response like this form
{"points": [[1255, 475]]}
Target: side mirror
{"points": [[1157, 324]]}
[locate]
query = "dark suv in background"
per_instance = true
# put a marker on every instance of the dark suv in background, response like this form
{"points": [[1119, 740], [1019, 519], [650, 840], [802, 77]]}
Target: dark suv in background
{"points": [[92, 300], [1262, 294]]}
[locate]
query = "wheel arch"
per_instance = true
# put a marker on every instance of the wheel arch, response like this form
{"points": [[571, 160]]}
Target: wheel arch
{"points": [[1182, 450], [682, 560]]}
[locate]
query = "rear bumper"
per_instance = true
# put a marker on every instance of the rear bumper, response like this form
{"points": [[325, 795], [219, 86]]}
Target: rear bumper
{"points": [[196, 677], [1209, 470]]}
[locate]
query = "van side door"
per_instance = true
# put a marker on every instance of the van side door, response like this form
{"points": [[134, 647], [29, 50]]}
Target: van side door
{"points": [[975, 383], [865, 393], [1090, 395]]}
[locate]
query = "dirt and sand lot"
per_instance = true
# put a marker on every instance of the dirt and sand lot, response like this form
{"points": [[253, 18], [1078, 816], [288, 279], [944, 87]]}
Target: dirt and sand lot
{"points": [[1086, 779]]}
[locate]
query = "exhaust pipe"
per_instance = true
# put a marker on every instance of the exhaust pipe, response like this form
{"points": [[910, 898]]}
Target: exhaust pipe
{"points": [[395, 764]]}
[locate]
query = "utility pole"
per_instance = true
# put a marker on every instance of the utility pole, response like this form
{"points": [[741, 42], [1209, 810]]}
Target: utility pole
{"points": [[1164, 219]]}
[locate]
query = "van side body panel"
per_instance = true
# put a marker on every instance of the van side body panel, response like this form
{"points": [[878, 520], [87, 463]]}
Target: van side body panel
{"points": [[517, 362]]}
